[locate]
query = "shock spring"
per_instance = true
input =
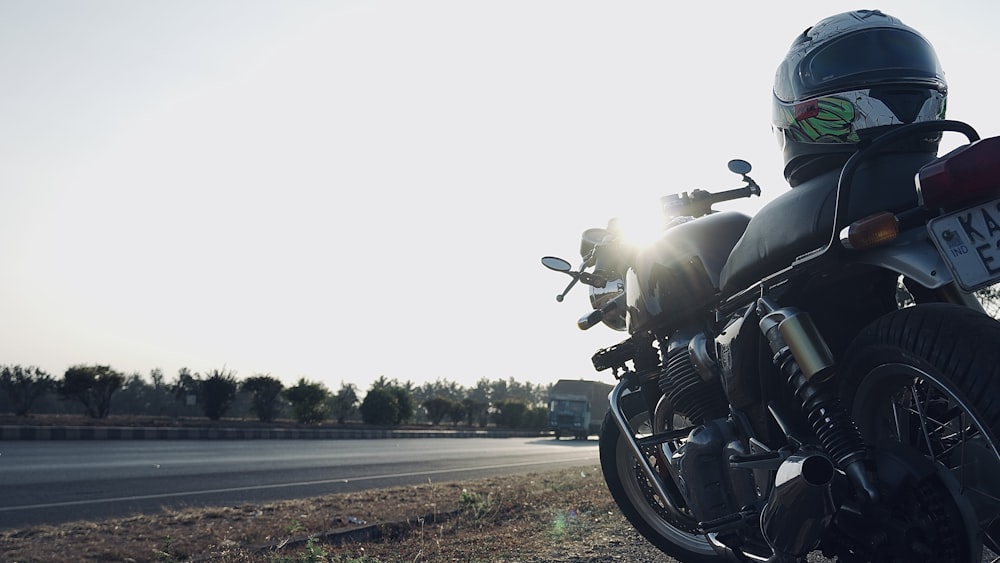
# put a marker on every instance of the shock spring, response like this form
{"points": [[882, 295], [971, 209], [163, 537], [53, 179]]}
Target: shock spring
{"points": [[836, 431]]}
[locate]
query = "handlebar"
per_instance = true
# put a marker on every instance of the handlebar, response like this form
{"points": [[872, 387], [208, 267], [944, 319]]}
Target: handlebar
{"points": [[599, 247], [700, 202]]}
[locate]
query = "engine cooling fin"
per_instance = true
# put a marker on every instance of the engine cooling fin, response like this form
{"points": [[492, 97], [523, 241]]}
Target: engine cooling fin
{"points": [[689, 394]]}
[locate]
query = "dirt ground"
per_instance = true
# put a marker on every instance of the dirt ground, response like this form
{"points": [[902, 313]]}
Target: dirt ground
{"points": [[558, 516]]}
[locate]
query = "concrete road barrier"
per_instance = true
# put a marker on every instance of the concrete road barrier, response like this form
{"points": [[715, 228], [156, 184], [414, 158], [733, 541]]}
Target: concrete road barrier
{"points": [[20, 432]]}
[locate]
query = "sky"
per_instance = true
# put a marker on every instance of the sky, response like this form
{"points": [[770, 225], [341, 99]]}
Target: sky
{"points": [[343, 190]]}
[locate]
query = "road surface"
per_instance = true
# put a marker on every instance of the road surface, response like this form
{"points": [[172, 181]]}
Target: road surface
{"points": [[51, 482]]}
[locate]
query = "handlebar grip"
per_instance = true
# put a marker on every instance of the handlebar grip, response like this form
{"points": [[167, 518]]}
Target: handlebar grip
{"points": [[589, 320], [700, 202], [738, 193]]}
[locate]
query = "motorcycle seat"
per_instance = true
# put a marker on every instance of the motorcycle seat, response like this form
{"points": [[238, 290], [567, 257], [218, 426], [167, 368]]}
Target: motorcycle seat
{"points": [[801, 219]]}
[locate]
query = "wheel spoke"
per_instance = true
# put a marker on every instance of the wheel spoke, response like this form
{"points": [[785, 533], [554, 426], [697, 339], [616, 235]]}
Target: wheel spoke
{"points": [[897, 419], [947, 433], [963, 441], [945, 453], [992, 536], [984, 494], [921, 409]]}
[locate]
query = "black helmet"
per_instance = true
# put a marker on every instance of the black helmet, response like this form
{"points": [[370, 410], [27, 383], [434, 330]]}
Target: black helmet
{"points": [[846, 79]]}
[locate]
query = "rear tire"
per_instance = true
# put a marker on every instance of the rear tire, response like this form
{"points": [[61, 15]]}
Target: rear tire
{"points": [[927, 378]]}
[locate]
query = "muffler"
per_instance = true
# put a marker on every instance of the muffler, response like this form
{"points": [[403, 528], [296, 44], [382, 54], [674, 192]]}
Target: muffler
{"points": [[800, 506]]}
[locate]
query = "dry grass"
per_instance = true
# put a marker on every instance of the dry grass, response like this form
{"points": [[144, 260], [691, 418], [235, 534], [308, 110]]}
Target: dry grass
{"points": [[565, 515]]}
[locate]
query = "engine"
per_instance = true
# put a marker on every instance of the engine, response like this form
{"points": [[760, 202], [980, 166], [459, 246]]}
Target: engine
{"points": [[693, 389], [797, 508]]}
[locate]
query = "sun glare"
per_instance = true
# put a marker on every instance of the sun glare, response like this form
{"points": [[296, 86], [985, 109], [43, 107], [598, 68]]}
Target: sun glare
{"points": [[642, 228]]}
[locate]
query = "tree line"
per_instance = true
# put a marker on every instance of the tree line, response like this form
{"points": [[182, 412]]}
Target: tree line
{"points": [[97, 390]]}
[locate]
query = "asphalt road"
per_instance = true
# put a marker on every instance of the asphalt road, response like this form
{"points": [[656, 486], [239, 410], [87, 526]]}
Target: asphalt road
{"points": [[50, 482]]}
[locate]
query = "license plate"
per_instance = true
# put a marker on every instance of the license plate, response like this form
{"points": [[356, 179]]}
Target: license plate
{"points": [[969, 242]]}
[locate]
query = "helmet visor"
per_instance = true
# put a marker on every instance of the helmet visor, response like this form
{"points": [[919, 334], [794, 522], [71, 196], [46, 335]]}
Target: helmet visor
{"points": [[871, 55]]}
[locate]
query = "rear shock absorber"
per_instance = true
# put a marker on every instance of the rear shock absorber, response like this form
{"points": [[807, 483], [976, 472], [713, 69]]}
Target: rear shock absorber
{"points": [[805, 360]]}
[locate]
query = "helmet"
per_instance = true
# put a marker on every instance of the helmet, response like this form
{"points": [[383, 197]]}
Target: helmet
{"points": [[847, 79]]}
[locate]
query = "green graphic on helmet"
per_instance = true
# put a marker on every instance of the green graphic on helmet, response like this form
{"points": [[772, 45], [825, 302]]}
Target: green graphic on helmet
{"points": [[823, 120]]}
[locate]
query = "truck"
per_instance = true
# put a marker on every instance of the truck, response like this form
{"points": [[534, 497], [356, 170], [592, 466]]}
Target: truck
{"points": [[577, 407]]}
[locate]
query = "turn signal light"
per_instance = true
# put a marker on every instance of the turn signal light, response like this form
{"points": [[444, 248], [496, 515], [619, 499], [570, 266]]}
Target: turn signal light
{"points": [[874, 230], [967, 174]]}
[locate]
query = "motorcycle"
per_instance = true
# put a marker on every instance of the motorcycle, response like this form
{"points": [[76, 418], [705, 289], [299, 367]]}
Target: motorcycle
{"points": [[818, 379]]}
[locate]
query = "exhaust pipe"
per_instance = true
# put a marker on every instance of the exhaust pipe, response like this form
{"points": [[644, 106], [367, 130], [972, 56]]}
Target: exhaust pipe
{"points": [[800, 506]]}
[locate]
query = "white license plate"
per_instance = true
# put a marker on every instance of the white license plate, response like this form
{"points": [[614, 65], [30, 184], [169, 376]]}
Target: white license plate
{"points": [[969, 241]]}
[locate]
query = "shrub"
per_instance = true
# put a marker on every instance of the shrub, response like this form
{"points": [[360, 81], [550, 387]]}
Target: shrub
{"points": [[92, 386], [344, 402], [510, 414], [266, 391], [438, 408], [379, 407], [308, 401], [217, 393], [24, 385]]}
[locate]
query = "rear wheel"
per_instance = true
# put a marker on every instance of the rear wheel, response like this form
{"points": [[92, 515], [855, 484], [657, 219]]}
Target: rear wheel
{"points": [[924, 388], [635, 497]]}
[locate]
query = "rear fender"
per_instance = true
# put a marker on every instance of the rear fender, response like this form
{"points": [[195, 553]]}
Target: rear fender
{"points": [[913, 256]]}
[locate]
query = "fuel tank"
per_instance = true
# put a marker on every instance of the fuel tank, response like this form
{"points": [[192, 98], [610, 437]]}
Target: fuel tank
{"points": [[679, 273]]}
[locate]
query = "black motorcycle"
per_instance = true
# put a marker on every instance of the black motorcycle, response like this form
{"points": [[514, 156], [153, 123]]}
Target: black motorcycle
{"points": [[820, 378]]}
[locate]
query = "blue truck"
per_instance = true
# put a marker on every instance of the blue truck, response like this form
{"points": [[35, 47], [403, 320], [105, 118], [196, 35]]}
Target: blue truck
{"points": [[577, 407]]}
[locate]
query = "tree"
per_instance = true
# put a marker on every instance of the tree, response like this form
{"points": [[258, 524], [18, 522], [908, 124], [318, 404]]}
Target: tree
{"points": [[457, 412], [344, 402], [160, 392], [135, 395], [379, 407], [402, 395], [217, 392], [266, 391], [537, 418], [511, 389], [510, 413], [476, 411], [477, 403], [23, 386], [438, 408], [308, 401], [92, 386], [498, 391], [405, 406], [515, 413], [186, 389], [439, 388]]}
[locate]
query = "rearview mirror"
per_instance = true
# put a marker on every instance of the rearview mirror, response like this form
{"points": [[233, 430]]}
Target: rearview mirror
{"points": [[557, 264], [737, 166]]}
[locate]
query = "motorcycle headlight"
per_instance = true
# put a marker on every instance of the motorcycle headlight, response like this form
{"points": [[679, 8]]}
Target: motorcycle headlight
{"points": [[600, 296]]}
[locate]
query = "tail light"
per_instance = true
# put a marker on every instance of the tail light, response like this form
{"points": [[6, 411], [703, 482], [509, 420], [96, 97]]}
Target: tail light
{"points": [[966, 175]]}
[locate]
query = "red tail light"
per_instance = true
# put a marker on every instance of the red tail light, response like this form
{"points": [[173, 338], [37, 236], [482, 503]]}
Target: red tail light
{"points": [[964, 176]]}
